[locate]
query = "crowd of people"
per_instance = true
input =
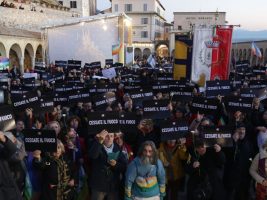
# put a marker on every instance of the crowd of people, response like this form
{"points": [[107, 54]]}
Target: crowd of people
{"points": [[134, 164]]}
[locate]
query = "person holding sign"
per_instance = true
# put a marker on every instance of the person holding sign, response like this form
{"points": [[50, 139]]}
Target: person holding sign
{"points": [[58, 182], [172, 154], [108, 164], [205, 169], [8, 187]]}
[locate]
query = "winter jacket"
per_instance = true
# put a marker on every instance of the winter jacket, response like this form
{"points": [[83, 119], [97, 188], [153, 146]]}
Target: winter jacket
{"points": [[103, 176], [172, 161], [8, 187]]}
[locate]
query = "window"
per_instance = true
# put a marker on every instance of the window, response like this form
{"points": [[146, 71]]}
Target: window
{"points": [[73, 4], [157, 35], [60, 2], [144, 34], [144, 20], [128, 7], [145, 7], [116, 8], [179, 27]]}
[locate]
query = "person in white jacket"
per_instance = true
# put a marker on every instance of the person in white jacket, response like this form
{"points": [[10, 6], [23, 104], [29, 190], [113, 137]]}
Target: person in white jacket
{"points": [[258, 171]]}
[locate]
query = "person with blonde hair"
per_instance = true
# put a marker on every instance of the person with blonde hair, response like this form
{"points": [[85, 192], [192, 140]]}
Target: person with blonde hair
{"points": [[58, 182], [258, 171]]}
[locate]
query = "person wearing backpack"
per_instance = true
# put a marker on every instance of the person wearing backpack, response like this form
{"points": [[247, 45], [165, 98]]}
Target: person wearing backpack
{"points": [[145, 176]]}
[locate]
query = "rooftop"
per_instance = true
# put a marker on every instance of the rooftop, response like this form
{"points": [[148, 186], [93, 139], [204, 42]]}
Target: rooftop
{"points": [[19, 32]]}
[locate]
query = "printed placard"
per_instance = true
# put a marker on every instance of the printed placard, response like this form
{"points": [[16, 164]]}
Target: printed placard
{"points": [[158, 109], [173, 130], [44, 140], [217, 135]]}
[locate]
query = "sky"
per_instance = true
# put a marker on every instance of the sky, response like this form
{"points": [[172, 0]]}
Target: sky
{"points": [[251, 15]]}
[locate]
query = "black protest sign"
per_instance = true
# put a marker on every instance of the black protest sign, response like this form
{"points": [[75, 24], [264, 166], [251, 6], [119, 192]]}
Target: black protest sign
{"points": [[109, 62], [257, 84], [76, 86], [217, 135], [46, 104], [62, 88], [165, 77], [60, 98], [259, 71], [44, 140], [158, 109], [99, 121], [247, 92], [7, 119], [39, 69], [102, 88], [234, 103], [173, 130], [93, 65], [19, 90], [204, 105], [131, 86], [74, 64], [128, 122], [101, 101], [61, 63], [92, 88], [261, 94], [73, 79], [79, 96], [56, 77], [177, 84], [218, 87], [241, 66], [161, 86], [182, 94], [139, 95], [27, 100], [117, 64]]}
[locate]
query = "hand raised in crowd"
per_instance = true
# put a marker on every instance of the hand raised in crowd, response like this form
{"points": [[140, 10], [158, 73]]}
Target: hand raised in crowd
{"points": [[196, 164], [217, 148], [101, 136], [71, 183], [112, 162], [29, 112], [37, 154], [2, 137]]}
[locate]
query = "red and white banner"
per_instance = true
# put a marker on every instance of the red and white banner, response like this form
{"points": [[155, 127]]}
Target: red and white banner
{"points": [[221, 54], [211, 54]]}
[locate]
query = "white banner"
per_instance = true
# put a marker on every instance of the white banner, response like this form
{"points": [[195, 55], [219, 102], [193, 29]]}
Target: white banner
{"points": [[202, 56], [109, 73]]}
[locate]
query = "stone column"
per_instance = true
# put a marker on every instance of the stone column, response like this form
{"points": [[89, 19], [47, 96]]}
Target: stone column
{"points": [[21, 64], [121, 36]]}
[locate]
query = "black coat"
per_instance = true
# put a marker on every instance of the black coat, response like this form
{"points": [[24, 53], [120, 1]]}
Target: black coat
{"points": [[210, 170], [8, 187], [104, 177]]}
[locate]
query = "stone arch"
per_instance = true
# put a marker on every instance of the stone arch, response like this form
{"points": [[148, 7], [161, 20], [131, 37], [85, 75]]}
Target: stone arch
{"points": [[39, 53], [146, 53], [28, 57], [137, 53], [2, 50], [15, 54]]}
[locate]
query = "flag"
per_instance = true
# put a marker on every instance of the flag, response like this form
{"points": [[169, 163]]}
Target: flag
{"points": [[201, 60], [211, 54], [151, 60], [116, 48], [221, 56], [255, 50], [183, 57]]}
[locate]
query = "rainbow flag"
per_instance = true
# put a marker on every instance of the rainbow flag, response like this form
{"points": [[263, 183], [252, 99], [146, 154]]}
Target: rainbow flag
{"points": [[4, 63], [255, 50], [116, 48]]}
